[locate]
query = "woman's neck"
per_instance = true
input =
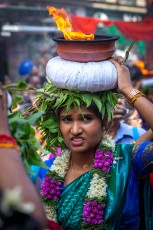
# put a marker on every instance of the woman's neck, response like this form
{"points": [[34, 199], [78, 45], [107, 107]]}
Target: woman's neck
{"points": [[82, 160], [80, 163]]}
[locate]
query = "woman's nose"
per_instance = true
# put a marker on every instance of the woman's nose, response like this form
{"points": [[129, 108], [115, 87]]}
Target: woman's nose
{"points": [[76, 128]]}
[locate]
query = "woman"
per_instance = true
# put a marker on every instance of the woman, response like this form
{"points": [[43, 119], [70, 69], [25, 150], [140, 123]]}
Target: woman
{"points": [[93, 184]]}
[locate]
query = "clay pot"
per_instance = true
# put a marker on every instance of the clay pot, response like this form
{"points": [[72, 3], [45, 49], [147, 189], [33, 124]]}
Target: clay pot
{"points": [[99, 49]]}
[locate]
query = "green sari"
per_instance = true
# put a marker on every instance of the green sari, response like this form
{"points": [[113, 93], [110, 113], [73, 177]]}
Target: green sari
{"points": [[70, 205]]}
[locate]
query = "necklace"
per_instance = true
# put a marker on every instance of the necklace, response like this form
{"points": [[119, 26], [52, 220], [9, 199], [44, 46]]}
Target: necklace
{"points": [[84, 167], [95, 200], [87, 166]]}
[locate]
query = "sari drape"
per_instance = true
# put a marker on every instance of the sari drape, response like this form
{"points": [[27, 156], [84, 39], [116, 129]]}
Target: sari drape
{"points": [[70, 205], [144, 159], [122, 207]]}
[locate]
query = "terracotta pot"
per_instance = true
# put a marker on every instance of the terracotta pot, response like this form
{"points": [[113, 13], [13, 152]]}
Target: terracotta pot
{"points": [[99, 49]]}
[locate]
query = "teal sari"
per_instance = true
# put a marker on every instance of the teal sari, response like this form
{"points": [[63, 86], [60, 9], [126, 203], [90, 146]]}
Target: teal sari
{"points": [[122, 207], [70, 205]]}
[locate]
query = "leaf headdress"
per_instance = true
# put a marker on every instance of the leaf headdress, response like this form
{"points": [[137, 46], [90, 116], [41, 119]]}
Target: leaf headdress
{"points": [[50, 99]]}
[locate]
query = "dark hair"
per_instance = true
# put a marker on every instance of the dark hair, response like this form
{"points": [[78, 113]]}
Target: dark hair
{"points": [[135, 73], [30, 76], [92, 108]]}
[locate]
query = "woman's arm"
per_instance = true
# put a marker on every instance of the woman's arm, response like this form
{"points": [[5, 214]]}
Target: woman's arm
{"points": [[143, 105], [12, 172], [148, 136], [143, 159]]}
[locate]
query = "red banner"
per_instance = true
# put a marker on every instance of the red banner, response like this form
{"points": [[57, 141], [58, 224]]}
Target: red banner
{"points": [[140, 30]]}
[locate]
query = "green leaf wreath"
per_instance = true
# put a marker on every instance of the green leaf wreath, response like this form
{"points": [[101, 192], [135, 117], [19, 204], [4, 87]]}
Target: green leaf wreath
{"points": [[51, 98], [43, 115]]}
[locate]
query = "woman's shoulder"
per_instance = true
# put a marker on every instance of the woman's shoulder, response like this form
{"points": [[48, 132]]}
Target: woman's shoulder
{"points": [[140, 148], [143, 158]]}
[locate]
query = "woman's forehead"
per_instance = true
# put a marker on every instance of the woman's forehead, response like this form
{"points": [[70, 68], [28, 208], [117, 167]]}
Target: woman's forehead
{"points": [[82, 110]]}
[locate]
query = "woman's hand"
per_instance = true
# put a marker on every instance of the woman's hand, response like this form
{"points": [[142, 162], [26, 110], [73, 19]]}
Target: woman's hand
{"points": [[124, 80], [4, 126]]}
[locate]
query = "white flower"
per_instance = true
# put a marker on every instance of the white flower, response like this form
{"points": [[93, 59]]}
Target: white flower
{"points": [[51, 213], [108, 141], [61, 163], [97, 188]]}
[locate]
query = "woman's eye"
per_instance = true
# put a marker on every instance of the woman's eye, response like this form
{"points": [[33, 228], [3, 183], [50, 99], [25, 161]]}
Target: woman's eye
{"points": [[66, 119], [87, 118]]}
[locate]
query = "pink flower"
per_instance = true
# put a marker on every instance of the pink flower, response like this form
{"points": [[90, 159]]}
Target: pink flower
{"points": [[103, 160], [93, 212]]}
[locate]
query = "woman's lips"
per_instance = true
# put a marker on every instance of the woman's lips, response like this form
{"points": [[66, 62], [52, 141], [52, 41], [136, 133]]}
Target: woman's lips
{"points": [[77, 141]]}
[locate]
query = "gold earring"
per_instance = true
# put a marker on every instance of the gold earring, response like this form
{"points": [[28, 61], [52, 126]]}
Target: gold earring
{"points": [[104, 133]]}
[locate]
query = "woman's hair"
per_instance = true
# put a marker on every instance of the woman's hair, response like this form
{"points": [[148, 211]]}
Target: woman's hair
{"points": [[135, 73], [93, 108]]}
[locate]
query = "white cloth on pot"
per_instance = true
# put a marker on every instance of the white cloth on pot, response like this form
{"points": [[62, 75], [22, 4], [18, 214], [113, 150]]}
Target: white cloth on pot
{"points": [[90, 76]]}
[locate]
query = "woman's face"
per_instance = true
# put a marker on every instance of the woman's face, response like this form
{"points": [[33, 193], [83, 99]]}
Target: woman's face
{"points": [[81, 129]]}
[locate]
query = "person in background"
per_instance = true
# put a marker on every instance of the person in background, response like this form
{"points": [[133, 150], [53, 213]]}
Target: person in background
{"points": [[136, 76], [148, 91], [12, 176], [7, 79], [121, 132], [28, 98], [147, 136], [34, 81], [132, 116]]}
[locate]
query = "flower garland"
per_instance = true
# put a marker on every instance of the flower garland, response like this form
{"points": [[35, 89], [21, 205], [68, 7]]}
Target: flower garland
{"points": [[95, 200]]}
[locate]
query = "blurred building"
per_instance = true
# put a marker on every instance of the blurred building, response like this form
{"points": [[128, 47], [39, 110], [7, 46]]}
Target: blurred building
{"points": [[26, 27]]}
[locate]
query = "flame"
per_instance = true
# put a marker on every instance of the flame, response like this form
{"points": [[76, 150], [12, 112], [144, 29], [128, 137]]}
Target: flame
{"points": [[63, 24]]}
